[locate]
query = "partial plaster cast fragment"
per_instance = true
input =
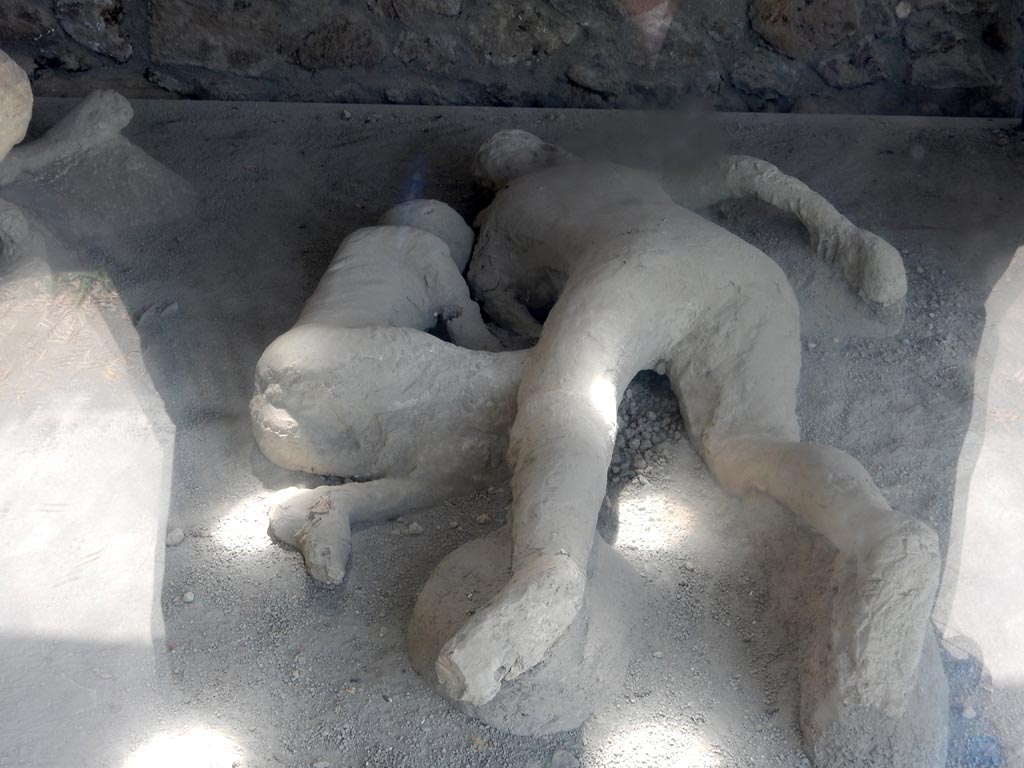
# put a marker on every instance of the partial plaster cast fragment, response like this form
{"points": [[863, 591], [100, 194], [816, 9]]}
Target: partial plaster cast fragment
{"points": [[98, 118], [15, 103], [94, 122]]}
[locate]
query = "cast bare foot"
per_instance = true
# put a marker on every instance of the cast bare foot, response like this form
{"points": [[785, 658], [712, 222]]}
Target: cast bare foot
{"points": [[312, 521], [869, 263], [516, 629], [881, 612]]}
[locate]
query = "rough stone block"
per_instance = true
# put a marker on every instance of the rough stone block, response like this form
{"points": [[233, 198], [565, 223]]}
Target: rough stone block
{"points": [[801, 27], [25, 20], [433, 51], [960, 67], [406, 9], [347, 40], [96, 24], [950, 50], [597, 71], [768, 76], [851, 68], [216, 35], [520, 33]]}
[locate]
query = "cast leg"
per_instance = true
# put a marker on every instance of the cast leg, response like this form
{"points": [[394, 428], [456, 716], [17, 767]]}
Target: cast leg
{"points": [[887, 566], [316, 521], [561, 446]]}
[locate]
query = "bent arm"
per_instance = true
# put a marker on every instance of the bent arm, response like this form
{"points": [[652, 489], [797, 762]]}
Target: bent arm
{"points": [[461, 314]]}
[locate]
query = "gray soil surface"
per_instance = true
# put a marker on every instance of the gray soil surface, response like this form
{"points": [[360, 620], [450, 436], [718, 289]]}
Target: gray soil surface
{"points": [[158, 326]]}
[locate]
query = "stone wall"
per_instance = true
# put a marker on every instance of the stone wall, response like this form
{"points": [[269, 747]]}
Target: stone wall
{"points": [[951, 57]]}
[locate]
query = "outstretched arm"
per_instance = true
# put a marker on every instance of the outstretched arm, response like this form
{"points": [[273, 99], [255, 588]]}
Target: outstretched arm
{"points": [[869, 264]]}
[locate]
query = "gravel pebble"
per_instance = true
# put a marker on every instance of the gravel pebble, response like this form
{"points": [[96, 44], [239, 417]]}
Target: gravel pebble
{"points": [[175, 536]]}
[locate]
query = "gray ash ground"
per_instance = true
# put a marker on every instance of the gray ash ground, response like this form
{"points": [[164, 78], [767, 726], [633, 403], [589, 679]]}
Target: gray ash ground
{"points": [[304, 674], [294, 674]]}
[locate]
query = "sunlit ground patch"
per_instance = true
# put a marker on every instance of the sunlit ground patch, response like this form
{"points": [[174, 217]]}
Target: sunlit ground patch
{"points": [[196, 747], [651, 521], [244, 527], [646, 745]]}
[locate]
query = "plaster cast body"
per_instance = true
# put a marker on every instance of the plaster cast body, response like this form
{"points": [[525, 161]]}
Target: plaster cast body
{"points": [[643, 283], [98, 118], [357, 389], [636, 282]]}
